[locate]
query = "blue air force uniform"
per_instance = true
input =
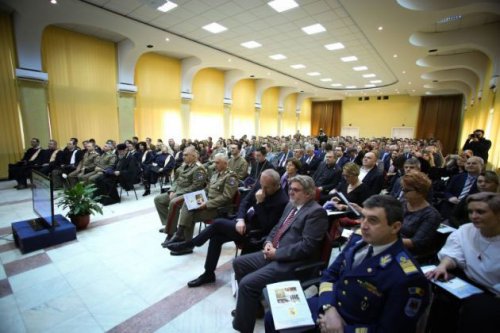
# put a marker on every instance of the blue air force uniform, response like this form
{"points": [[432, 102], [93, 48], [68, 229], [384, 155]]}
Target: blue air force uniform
{"points": [[385, 293]]}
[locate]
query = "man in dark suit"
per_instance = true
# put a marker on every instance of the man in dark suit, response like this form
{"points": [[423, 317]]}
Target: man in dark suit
{"points": [[21, 170], [294, 241], [327, 176], [282, 157], [310, 161], [259, 211], [374, 285], [370, 174], [478, 144]]}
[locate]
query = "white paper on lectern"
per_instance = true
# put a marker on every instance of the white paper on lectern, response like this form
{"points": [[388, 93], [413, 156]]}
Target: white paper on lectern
{"points": [[289, 305]]}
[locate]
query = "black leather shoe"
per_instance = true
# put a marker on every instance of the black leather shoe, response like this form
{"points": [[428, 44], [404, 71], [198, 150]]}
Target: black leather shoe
{"points": [[162, 230], [201, 280], [233, 313], [181, 246], [174, 239], [181, 252], [147, 192]]}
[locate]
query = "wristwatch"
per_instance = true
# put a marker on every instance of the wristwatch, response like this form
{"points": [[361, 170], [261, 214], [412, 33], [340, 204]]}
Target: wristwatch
{"points": [[325, 307]]}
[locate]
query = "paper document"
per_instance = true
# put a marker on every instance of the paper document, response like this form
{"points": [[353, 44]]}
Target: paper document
{"points": [[445, 229], [289, 305], [195, 199], [456, 286]]}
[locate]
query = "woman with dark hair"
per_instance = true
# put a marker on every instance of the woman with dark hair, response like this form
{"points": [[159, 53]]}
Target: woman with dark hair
{"points": [[292, 167], [421, 219], [474, 249]]}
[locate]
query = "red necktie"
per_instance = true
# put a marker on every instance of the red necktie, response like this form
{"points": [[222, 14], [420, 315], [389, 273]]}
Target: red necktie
{"points": [[284, 226]]}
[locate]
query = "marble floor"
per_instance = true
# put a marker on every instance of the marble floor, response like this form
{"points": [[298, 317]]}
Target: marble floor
{"points": [[115, 277]]}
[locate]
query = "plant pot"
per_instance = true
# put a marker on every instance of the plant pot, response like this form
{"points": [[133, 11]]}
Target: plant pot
{"points": [[80, 221]]}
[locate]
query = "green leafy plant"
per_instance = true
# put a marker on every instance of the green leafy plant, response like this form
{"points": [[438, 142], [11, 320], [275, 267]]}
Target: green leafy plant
{"points": [[80, 200]]}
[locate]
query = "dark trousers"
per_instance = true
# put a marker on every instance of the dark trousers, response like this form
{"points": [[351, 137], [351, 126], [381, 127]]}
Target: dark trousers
{"points": [[253, 273], [20, 172], [219, 232], [106, 187]]}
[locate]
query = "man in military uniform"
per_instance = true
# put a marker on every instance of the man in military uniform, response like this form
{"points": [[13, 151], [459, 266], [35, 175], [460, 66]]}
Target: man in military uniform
{"points": [[189, 177], [236, 163], [106, 161], [86, 165], [374, 285], [220, 192]]}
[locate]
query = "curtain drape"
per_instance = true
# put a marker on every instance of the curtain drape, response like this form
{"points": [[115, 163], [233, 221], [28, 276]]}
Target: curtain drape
{"points": [[11, 145], [326, 115], [439, 118], [82, 85], [158, 99]]}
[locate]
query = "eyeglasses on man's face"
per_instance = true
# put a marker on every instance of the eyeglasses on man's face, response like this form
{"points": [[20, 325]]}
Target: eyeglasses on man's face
{"points": [[294, 189]]}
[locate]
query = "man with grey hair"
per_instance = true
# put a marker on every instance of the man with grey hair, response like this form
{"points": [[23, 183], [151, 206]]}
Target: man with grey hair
{"points": [[294, 241], [220, 192], [310, 161], [190, 176]]}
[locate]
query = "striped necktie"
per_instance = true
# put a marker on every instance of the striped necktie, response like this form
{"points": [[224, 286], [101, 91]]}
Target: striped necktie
{"points": [[284, 227], [467, 186]]}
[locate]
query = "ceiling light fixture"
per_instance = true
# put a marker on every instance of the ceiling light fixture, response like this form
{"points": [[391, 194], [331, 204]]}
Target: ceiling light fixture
{"points": [[298, 66], [376, 81], [313, 29], [251, 44], [54, 2], [404, 72], [448, 19], [334, 46], [214, 28], [326, 79], [360, 68], [369, 75], [167, 6], [336, 84], [350, 87], [349, 58], [380, 28], [282, 5], [278, 56], [167, 39], [314, 74], [369, 85], [394, 55]]}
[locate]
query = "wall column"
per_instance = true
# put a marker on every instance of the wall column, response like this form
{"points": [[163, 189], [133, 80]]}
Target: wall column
{"points": [[186, 100], [227, 117], [258, 107], [280, 119], [35, 112], [126, 115]]}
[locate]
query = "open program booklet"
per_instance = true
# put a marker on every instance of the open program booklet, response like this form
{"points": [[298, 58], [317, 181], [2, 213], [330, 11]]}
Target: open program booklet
{"points": [[289, 305], [456, 286], [195, 199]]}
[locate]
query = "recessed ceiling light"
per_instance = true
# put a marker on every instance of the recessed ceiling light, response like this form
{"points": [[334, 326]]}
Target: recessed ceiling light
{"points": [[229, 60], [360, 68], [313, 29], [349, 58], [404, 72], [167, 39], [269, 73], [369, 75], [298, 66], [380, 28], [350, 87], [326, 79], [428, 93], [54, 2], [215, 28], [251, 44], [168, 5], [336, 84], [277, 56], [376, 81], [394, 55], [334, 46], [314, 74], [369, 85], [449, 19], [282, 5], [409, 82]]}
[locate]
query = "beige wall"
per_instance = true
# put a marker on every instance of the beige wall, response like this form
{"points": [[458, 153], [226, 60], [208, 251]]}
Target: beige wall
{"points": [[377, 118]]}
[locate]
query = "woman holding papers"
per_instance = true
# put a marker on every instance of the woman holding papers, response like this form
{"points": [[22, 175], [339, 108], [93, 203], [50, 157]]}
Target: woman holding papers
{"points": [[475, 249], [351, 187]]}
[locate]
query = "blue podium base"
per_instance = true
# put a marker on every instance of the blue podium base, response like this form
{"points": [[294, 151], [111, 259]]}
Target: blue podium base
{"points": [[28, 239]]}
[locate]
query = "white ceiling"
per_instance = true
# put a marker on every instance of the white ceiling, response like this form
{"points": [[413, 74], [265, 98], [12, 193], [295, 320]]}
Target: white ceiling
{"points": [[387, 53]]}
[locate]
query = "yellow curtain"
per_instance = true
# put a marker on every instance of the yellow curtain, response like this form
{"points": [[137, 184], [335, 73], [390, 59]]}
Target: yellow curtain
{"points": [[289, 120], [82, 85], [158, 99], [11, 145], [269, 113], [305, 117], [207, 108], [243, 108]]}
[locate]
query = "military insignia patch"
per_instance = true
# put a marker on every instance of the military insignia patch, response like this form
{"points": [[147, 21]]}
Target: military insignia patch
{"points": [[325, 287], [385, 260], [416, 291], [199, 176], [406, 264], [412, 306], [232, 182], [361, 330]]}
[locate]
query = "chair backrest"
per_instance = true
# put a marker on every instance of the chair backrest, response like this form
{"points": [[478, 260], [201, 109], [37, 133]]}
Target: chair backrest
{"points": [[317, 197]]}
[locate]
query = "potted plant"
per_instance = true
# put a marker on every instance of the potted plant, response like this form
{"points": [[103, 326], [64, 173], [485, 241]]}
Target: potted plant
{"points": [[81, 202]]}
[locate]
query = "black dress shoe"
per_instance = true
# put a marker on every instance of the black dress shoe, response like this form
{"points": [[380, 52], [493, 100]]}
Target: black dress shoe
{"points": [[233, 313], [174, 239], [181, 246], [147, 192], [201, 280], [181, 252]]}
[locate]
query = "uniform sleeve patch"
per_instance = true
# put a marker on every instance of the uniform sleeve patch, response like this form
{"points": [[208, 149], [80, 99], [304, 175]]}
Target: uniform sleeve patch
{"points": [[233, 182], [416, 291], [325, 287], [412, 306], [199, 176], [385, 260]]}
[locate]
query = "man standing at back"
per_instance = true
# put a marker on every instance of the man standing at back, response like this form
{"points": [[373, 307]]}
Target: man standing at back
{"points": [[294, 241], [189, 177], [374, 284]]}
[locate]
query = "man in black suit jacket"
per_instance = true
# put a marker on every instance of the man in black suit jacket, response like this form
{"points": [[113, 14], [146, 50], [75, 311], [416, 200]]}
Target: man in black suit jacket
{"points": [[310, 161], [259, 211], [370, 174], [294, 241]]}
